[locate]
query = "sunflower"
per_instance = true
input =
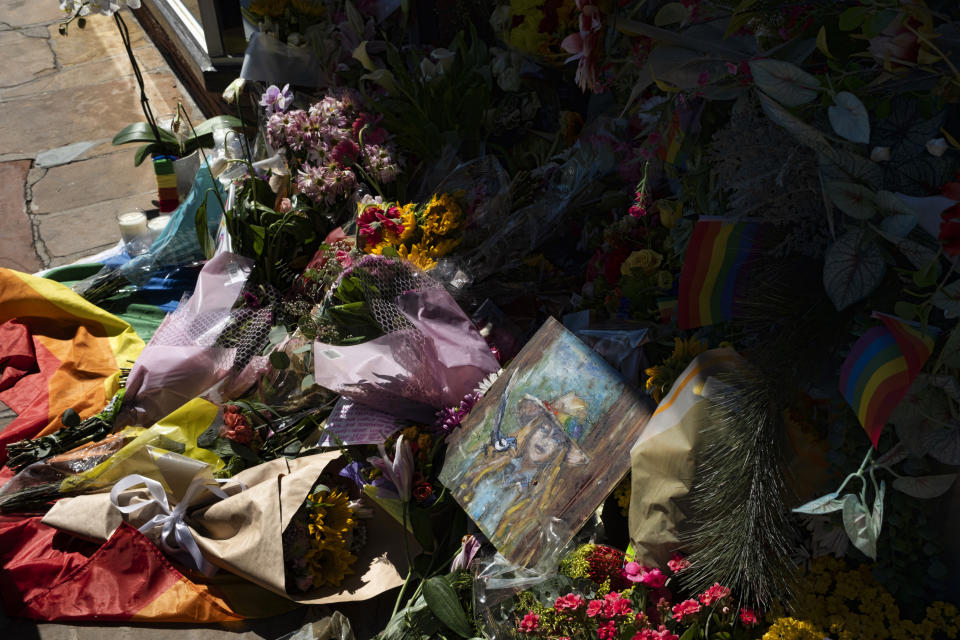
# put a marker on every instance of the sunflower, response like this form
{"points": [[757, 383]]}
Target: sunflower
{"points": [[662, 376]]}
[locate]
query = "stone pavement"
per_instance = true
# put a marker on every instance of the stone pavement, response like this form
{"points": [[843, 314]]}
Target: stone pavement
{"points": [[62, 99]]}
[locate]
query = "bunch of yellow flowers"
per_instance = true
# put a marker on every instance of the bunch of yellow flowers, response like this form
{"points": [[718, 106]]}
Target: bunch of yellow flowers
{"points": [[330, 524], [846, 603], [426, 233]]}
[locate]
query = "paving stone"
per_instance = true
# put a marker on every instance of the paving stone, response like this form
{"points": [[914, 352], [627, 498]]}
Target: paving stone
{"points": [[83, 113], [16, 231], [100, 39], [64, 155], [17, 13], [88, 74], [85, 230], [86, 182], [24, 58]]}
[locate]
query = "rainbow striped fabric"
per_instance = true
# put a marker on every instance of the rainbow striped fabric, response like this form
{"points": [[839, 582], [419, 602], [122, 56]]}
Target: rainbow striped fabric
{"points": [[713, 270], [881, 367]]}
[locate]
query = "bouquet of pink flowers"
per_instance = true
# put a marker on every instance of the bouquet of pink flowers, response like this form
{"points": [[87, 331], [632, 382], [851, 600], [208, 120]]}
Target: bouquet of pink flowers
{"points": [[612, 599]]}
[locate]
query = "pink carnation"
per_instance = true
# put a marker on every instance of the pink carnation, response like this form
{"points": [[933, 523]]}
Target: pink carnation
{"points": [[633, 572], [530, 623], [661, 633], [607, 631], [714, 594], [569, 602], [654, 578], [685, 608], [594, 608], [677, 563], [615, 605]]}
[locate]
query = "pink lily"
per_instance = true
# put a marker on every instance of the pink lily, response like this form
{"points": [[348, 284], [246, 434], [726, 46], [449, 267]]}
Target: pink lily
{"points": [[468, 549], [399, 471]]}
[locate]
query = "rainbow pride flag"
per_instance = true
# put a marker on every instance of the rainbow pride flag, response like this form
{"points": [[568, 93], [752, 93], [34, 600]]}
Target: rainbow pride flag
{"points": [[713, 271], [881, 367]]}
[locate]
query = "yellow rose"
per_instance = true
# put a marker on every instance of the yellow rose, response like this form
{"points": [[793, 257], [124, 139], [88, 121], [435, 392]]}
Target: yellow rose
{"points": [[664, 279], [670, 212], [646, 260]]}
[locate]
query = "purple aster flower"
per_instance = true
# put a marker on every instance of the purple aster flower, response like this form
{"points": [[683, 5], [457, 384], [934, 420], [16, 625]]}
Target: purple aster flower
{"points": [[275, 100]]}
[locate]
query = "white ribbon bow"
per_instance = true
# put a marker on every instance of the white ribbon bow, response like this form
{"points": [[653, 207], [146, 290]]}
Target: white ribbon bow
{"points": [[170, 521]]}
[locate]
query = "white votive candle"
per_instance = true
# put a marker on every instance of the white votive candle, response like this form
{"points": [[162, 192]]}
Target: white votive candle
{"points": [[132, 224], [157, 225]]}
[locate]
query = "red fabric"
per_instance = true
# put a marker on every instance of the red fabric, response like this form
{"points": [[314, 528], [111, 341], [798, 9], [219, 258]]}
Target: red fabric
{"points": [[17, 358], [29, 397], [51, 575]]}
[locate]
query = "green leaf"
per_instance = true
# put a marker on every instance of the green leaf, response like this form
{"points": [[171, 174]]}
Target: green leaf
{"points": [[390, 252], [950, 355], [443, 602], [824, 504], [926, 486], [692, 633], [215, 123], [877, 515], [906, 310], [143, 153], [422, 528], [852, 18], [853, 199], [858, 524], [203, 235], [279, 360], [307, 382], [142, 132], [822, 43], [853, 268], [671, 13], [838, 164], [926, 277], [786, 83], [948, 300], [849, 118]]}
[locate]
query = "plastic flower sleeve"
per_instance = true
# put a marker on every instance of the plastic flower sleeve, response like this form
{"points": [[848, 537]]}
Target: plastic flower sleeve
{"points": [[497, 581], [188, 353], [429, 357]]}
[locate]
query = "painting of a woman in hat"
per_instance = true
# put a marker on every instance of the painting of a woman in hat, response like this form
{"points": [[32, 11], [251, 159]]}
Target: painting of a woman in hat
{"points": [[547, 442], [507, 493]]}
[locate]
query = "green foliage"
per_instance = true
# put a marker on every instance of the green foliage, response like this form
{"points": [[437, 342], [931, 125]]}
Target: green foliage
{"points": [[169, 144]]}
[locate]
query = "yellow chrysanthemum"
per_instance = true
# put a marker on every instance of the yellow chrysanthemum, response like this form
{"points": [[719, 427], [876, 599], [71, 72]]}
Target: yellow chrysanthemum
{"points": [[409, 218], [417, 256], [442, 215], [269, 8], [792, 629]]}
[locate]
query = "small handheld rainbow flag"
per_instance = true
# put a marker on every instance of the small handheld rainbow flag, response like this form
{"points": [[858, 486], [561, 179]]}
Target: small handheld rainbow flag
{"points": [[881, 367], [713, 270]]}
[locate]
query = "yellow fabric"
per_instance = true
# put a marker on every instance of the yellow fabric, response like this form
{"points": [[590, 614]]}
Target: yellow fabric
{"points": [[183, 426]]}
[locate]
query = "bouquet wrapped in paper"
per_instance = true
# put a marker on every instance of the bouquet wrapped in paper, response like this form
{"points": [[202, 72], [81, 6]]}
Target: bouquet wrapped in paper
{"points": [[276, 524]]}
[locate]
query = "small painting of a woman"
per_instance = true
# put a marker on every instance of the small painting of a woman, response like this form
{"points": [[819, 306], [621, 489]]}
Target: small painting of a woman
{"points": [[507, 494]]}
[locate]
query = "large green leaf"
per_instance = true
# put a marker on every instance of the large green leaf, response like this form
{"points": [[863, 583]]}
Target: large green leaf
{"points": [[926, 486], [858, 523], [853, 268], [786, 83], [215, 123], [142, 132], [849, 118], [443, 602], [948, 300], [853, 199], [203, 234]]}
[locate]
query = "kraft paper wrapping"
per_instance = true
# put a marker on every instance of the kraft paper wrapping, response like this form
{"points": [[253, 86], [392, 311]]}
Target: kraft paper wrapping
{"points": [[663, 460], [242, 534]]}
